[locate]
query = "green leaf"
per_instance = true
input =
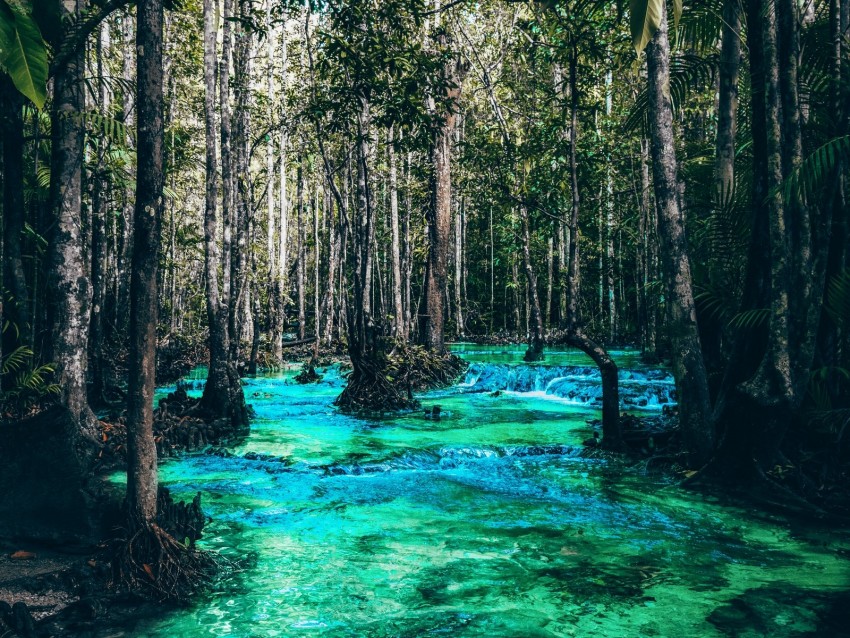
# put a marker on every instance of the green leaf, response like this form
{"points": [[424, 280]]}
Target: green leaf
{"points": [[23, 53], [677, 13], [644, 21]]}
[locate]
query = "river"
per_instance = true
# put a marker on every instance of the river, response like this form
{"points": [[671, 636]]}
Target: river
{"points": [[486, 522]]}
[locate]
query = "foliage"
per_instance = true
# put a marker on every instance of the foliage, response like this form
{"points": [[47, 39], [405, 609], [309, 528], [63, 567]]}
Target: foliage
{"points": [[24, 383], [23, 52]]}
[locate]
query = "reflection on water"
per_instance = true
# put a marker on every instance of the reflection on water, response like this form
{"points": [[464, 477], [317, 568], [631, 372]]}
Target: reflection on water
{"points": [[485, 523]]}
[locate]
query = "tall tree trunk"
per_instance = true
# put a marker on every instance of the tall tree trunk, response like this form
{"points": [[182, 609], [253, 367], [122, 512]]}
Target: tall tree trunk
{"points": [[771, 391], [492, 272], [334, 264], [126, 248], [273, 309], [551, 265], [575, 336], [808, 223], [14, 277], [223, 396], [609, 225], [650, 251], [535, 318], [283, 237], [144, 300], [459, 270], [99, 239], [432, 330], [362, 244], [407, 263], [398, 312], [69, 289], [317, 262], [688, 365], [730, 61], [243, 209], [301, 252]]}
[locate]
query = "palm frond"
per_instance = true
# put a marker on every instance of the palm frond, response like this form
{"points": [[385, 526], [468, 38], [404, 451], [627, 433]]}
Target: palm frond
{"points": [[689, 73], [699, 28], [837, 302], [16, 360], [750, 319], [812, 175]]}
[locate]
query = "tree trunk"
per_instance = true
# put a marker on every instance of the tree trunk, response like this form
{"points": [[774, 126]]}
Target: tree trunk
{"points": [[398, 312], [650, 252], [432, 330], [301, 253], [283, 237], [99, 246], [334, 264], [144, 300], [273, 309], [317, 262], [535, 318], [459, 270], [609, 226], [126, 249], [730, 61], [551, 265], [688, 366], [611, 435], [14, 277], [223, 396], [243, 209], [69, 290], [772, 386], [407, 263]]}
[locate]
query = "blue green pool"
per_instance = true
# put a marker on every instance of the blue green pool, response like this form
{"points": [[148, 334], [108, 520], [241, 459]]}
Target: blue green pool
{"points": [[486, 522]]}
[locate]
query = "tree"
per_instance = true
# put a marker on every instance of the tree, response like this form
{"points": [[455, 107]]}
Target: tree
{"points": [[223, 396], [443, 109], [144, 294], [69, 289], [688, 364]]}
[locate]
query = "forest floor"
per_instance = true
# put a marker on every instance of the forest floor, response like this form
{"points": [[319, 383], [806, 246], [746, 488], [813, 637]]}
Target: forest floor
{"points": [[33, 577], [50, 592]]}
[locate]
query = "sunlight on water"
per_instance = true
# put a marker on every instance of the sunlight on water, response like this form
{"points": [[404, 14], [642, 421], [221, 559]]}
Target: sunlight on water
{"points": [[485, 523]]}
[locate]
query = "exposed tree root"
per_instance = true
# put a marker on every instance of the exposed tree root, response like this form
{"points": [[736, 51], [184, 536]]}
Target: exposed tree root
{"points": [[308, 374], [370, 389], [151, 563], [386, 382], [753, 484], [534, 352], [422, 369]]}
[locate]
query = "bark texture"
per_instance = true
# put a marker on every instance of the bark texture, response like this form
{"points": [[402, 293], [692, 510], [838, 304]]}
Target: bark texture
{"points": [[142, 477], [688, 365], [69, 288]]}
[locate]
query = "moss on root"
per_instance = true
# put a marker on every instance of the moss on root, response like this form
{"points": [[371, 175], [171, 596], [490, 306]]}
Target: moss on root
{"points": [[386, 382]]}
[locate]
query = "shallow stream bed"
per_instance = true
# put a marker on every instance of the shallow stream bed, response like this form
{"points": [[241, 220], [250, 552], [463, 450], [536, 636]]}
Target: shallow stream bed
{"points": [[487, 523]]}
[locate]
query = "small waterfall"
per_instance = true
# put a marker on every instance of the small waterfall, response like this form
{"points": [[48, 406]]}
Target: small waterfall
{"points": [[640, 389]]}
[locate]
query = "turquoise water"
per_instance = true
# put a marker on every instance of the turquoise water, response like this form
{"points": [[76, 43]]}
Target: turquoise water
{"points": [[486, 523]]}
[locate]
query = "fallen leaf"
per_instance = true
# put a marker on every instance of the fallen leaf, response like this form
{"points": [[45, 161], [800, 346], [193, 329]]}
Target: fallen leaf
{"points": [[149, 571], [22, 555]]}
